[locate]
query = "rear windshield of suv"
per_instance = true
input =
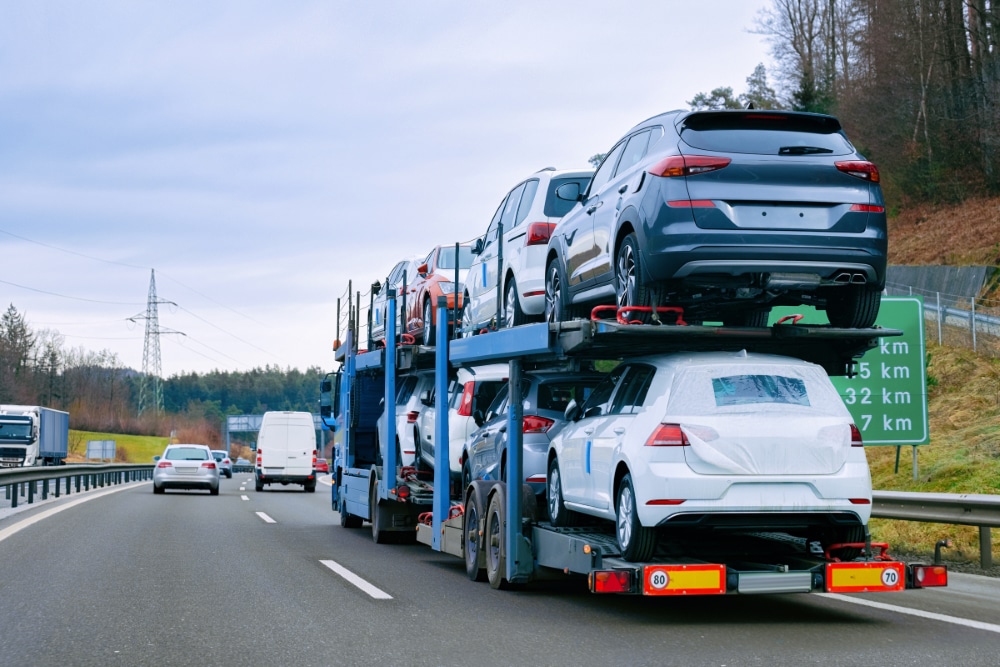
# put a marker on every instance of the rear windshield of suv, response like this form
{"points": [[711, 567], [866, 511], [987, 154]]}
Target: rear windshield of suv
{"points": [[557, 395], [765, 134], [555, 207]]}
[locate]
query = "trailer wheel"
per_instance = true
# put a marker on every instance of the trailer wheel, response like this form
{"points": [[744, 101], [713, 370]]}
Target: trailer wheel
{"points": [[559, 516], [636, 541], [347, 520], [379, 534], [496, 556], [470, 534]]}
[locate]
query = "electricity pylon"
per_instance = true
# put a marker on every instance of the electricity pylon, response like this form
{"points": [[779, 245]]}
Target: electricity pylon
{"points": [[150, 391]]}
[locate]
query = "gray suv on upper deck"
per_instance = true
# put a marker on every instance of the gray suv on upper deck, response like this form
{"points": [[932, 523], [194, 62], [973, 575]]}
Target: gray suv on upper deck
{"points": [[724, 214]]}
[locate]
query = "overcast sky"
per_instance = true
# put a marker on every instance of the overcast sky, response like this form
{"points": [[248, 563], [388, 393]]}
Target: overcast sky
{"points": [[260, 154]]}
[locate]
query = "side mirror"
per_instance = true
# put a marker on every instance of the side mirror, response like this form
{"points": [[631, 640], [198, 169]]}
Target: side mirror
{"points": [[569, 192], [326, 386], [478, 417], [477, 247], [422, 269], [156, 458], [325, 411], [425, 397], [572, 412]]}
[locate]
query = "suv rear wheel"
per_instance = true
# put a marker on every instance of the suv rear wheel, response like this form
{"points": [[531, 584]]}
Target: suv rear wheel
{"points": [[512, 314], [629, 289], [556, 307], [853, 306]]}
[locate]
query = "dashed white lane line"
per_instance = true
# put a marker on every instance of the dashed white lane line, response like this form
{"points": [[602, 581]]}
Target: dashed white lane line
{"points": [[352, 578], [978, 625], [266, 518], [244, 498]]}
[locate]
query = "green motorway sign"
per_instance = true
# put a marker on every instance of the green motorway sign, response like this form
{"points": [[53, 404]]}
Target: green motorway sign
{"points": [[888, 396]]}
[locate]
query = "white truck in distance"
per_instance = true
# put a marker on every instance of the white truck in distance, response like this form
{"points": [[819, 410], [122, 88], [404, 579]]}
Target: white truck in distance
{"points": [[31, 435]]}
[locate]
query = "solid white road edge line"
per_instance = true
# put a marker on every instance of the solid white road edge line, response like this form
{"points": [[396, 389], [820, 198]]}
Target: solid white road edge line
{"points": [[352, 578], [266, 518], [20, 525], [978, 625]]}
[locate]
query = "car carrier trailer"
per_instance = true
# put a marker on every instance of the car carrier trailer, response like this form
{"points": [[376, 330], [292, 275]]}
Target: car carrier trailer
{"points": [[475, 523]]}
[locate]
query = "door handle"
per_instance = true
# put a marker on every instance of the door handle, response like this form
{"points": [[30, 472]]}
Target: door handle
{"points": [[620, 431], [623, 189], [591, 209], [588, 431], [503, 429]]}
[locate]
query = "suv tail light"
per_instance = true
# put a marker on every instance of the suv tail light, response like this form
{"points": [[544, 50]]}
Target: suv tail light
{"points": [[667, 435], [539, 233], [536, 424], [687, 165], [856, 440], [867, 208], [862, 169], [465, 407]]}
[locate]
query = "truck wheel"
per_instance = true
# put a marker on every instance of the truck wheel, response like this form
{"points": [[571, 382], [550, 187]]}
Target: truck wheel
{"points": [[636, 541], [379, 534], [493, 539], [853, 306], [310, 488], [347, 520], [559, 516], [470, 534], [629, 288], [258, 485], [512, 314]]}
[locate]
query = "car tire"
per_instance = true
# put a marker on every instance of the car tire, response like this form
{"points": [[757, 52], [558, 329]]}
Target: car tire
{"points": [[512, 314], [629, 288], [559, 516], [493, 541], [347, 520], [637, 542], [474, 508], [419, 462], [428, 337], [229, 474], [853, 306], [214, 490], [310, 488], [465, 318], [466, 475], [556, 297], [258, 485], [158, 489], [849, 534]]}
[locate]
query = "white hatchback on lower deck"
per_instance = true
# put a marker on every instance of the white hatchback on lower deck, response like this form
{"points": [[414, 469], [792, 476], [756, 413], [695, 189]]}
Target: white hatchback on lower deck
{"points": [[712, 442]]}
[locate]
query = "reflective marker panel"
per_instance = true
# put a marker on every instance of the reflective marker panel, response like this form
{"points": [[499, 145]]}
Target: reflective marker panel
{"points": [[684, 580], [864, 577]]}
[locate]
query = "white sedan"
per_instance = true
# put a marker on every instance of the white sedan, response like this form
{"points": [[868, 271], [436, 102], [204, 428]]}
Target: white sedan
{"points": [[712, 441]]}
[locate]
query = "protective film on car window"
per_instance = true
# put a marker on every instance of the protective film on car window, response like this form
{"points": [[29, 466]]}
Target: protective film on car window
{"points": [[748, 389]]}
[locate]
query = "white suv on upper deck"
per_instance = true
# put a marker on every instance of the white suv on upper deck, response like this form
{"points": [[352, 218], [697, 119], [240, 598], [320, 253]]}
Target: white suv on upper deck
{"points": [[528, 214]]}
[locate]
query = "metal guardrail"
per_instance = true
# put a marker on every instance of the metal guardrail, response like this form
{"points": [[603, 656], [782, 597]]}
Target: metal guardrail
{"points": [[27, 482], [966, 509]]}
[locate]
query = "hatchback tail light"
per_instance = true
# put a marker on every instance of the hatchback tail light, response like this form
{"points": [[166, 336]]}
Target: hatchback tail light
{"points": [[411, 417], [667, 435], [539, 233], [465, 407], [208, 464], [856, 440], [164, 464], [536, 424], [862, 169], [687, 165]]}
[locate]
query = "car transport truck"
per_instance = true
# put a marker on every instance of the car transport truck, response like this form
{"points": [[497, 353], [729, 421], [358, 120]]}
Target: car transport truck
{"points": [[32, 435], [500, 530]]}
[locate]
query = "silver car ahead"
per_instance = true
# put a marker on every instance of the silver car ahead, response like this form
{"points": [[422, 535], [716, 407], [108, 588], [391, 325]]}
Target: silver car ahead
{"points": [[186, 467]]}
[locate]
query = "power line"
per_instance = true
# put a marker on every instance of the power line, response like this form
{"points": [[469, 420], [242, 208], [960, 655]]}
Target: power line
{"points": [[75, 298]]}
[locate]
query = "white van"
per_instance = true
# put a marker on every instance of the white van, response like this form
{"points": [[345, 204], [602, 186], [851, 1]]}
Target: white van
{"points": [[286, 450]]}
